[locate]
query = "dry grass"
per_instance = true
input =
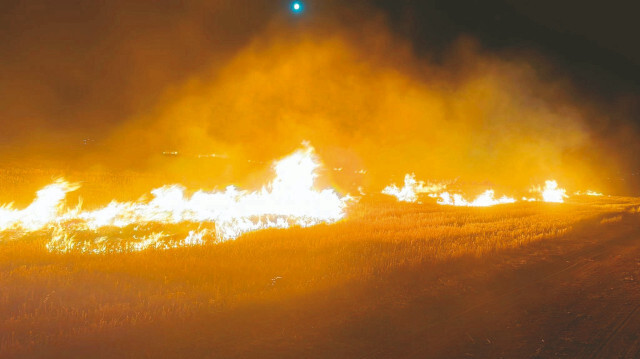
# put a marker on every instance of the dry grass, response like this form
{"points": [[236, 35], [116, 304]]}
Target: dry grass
{"points": [[50, 301]]}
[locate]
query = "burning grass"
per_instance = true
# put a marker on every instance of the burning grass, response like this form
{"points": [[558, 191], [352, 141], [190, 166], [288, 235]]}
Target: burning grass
{"points": [[290, 199], [52, 301]]}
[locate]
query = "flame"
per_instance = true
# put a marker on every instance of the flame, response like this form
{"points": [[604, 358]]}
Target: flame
{"points": [[551, 192], [409, 192], [43, 210], [589, 193], [485, 199], [288, 200]]}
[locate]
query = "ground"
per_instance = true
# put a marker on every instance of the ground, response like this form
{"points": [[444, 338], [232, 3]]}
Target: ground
{"points": [[393, 280]]}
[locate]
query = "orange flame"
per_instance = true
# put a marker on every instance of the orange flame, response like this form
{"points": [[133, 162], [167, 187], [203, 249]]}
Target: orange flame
{"points": [[409, 192], [289, 200], [551, 192], [486, 199]]}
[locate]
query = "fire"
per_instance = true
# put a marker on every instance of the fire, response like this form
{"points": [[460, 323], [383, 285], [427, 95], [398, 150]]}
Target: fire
{"points": [[485, 199], [589, 193], [290, 199], [551, 192], [409, 192], [43, 210]]}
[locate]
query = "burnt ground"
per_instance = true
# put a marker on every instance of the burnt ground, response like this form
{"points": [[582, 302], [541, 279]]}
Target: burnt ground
{"points": [[575, 297]]}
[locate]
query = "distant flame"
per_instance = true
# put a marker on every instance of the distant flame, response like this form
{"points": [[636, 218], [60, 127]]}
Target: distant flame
{"points": [[551, 192], [486, 199], [589, 193], [409, 192]]}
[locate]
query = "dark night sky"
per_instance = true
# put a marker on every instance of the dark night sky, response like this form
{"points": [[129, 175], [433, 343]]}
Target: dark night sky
{"points": [[595, 42]]}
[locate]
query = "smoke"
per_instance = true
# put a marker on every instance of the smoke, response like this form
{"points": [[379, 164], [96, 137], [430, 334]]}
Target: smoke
{"points": [[255, 89], [74, 70]]}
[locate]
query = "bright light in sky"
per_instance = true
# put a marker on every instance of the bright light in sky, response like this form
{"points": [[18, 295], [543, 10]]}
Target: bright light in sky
{"points": [[297, 7]]}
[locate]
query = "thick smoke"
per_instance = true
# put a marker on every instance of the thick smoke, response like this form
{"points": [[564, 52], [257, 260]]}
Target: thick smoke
{"points": [[341, 80]]}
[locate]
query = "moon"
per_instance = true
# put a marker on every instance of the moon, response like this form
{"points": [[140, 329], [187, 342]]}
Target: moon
{"points": [[297, 7]]}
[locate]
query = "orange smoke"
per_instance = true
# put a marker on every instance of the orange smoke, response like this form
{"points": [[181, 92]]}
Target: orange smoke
{"points": [[254, 89], [478, 118]]}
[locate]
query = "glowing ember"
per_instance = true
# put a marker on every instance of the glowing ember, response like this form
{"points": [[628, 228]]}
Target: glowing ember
{"points": [[411, 189], [486, 199], [289, 200]]}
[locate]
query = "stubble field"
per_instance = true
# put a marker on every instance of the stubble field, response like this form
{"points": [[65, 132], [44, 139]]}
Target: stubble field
{"points": [[391, 280]]}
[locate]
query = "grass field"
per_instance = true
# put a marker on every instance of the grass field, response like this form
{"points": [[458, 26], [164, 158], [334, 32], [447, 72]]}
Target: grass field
{"points": [[274, 293]]}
